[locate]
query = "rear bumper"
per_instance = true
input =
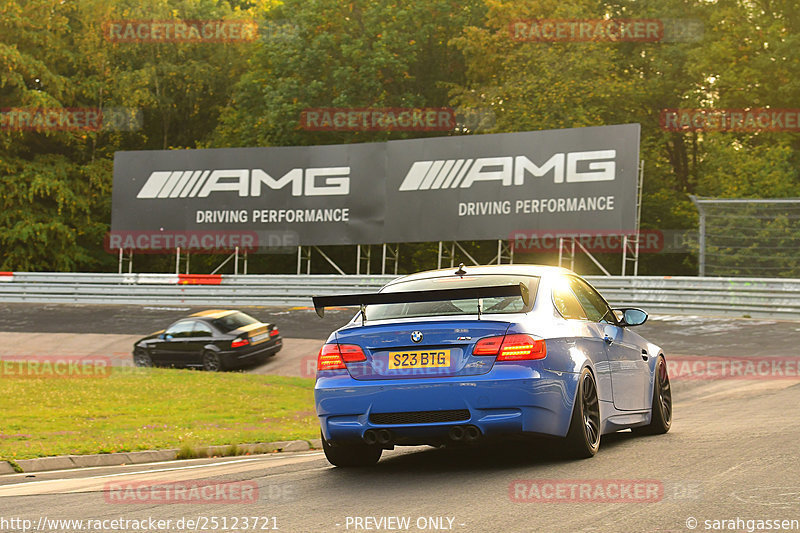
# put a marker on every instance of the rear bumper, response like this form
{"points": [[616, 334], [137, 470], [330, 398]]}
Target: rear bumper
{"points": [[234, 358], [509, 400]]}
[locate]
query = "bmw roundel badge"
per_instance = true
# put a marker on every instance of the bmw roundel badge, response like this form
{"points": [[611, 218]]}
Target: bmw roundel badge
{"points": [[416, 336]]}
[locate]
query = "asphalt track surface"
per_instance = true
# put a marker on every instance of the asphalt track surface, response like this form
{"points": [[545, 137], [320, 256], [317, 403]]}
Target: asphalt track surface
{"points": [[109, 331], [294, 322], [732, 456]]}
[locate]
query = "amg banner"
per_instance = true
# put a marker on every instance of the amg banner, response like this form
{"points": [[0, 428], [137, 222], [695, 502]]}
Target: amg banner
{"points": [[477, 187], [471, 187], [286, 195]]}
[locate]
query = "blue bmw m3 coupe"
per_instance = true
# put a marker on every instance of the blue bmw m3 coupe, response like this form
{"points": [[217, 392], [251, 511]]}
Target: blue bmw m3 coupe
{"points": [[453, 357]]}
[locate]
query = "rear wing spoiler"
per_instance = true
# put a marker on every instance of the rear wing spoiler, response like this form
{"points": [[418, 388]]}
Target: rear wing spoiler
{"points": [[362, 300]]}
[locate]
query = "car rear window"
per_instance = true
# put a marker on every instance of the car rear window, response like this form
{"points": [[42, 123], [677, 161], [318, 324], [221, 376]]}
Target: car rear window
{"points": [[233, 321], [499, 305]]}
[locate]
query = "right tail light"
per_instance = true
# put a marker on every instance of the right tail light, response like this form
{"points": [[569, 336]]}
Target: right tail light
{"points": [[514, 347]]}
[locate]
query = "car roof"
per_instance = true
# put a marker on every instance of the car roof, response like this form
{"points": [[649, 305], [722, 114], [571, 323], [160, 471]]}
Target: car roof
{"points": [[518, 270], [213, 314]]}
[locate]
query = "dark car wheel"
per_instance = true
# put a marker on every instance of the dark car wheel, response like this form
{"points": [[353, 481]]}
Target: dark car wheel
{"points": [[212, 362], [142, 358], [661, 418], [583, 438], [355, 454]]}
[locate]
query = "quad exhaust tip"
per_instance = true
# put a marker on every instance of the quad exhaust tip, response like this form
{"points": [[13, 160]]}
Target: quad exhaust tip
{"points": [[381, 436], [471, 433], [464, 433], [385, 436], [456, 433], [371, 436]]}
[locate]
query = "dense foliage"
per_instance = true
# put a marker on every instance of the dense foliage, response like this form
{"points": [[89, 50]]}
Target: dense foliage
{"points": [[55, 184]]}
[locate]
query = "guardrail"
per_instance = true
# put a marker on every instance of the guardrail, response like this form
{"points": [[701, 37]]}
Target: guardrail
{"points": [[165, 289], [753, 297]]}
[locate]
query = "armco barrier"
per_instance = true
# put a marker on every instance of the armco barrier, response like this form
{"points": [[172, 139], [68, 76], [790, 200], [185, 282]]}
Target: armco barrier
{"points": [[658, 295], [754, 297], [166, 289]]}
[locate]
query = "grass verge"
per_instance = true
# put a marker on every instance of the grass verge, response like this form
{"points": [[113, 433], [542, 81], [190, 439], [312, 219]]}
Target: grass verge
{"points": [[144, 409]]}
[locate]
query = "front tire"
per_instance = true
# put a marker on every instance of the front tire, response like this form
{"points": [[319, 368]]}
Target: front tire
{"points": [[351, 455], [142, 359], [583, 438], [661, 418], [212, 362]]}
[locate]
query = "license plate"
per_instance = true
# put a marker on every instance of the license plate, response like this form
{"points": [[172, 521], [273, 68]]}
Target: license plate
{"points": [[419, 359], [259, 338]]}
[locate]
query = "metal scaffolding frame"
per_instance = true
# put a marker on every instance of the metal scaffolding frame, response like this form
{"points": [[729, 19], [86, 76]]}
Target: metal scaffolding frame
{"points": [[630, 241], [447, 252], [363, 255], [304, 254], [390, 253], [235, 256], [122, 260]]}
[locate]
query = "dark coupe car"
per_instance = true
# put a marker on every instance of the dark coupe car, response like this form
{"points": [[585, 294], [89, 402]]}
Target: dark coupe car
{"points": [[213, 340]]}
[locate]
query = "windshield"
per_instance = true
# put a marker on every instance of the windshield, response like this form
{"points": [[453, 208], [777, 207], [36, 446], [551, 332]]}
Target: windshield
{"points": [[499, 305], [234, 321]]}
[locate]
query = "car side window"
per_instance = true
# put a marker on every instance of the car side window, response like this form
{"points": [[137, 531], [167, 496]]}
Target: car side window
{"points": [[181, 329], [201, 329], [567, 304], [597, 310]]}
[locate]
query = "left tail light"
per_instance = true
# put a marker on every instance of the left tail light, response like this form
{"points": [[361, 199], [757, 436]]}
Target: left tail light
{"points": [[239, 342], [334, 356]]}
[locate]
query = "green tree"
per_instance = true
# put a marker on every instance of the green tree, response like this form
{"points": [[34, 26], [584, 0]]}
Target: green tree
{"points": [[329, 53]]}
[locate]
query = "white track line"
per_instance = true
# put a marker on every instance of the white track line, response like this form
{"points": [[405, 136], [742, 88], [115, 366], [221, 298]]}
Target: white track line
{"points": [[208, 465]]}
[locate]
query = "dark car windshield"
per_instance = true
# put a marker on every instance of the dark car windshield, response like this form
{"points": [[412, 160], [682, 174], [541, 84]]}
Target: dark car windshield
{"points": [[233, 321], [503, 304]]}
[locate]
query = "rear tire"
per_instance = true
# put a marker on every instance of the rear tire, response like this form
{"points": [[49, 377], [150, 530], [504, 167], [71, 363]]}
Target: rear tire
{"points": [[212, 362], [351, 455], [583, 438], [661, 417]]}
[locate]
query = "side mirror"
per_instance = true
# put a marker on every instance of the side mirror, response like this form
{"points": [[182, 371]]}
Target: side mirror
{"points": [[166, 336], [632, 316]]}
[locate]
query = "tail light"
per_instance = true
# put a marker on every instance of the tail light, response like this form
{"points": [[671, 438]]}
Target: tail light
{"points": [[274, 332], [522, 347], [239, 342], [514, 347], [334, 356], [488, 346]]}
